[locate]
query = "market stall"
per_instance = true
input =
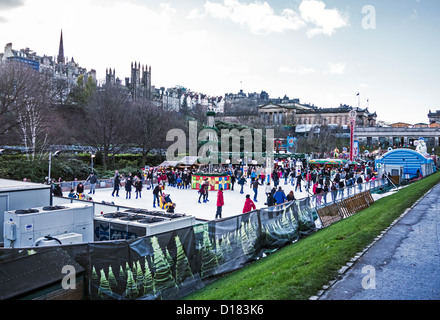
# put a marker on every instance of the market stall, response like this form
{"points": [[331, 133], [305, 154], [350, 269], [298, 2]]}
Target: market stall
{"points": [[215, 180], [331, 163]]}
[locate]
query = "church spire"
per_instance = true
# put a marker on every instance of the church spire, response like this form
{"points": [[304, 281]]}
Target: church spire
{"points": [[61, 58]]}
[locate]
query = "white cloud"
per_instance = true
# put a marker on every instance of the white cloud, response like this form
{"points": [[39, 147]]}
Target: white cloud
{"points": [[8, 4], [337, 68], [118, 34], [261, 18], [325, 21], [195, 14], [299, 70]]}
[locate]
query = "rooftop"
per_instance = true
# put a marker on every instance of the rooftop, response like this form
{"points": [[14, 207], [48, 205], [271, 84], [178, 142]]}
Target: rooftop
{"points": [[13, 185]]}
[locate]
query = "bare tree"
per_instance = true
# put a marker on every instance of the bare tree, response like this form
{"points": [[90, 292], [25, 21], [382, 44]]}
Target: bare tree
{"points": [[34, 115], [14, 88], [110, 120], [152, 124], [62, 88], [321, 139], [25, 98]]}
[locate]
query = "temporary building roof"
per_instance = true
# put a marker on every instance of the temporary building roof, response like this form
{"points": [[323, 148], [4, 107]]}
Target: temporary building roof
{"points": [[405, 155], [7, 185], [331, 161], [169, 164], [33, 270], [409, 159], [188, 160], [185, 161]]}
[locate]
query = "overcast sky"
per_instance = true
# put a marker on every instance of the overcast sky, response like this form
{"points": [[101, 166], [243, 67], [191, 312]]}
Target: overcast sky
{"points": [[323, 52]]}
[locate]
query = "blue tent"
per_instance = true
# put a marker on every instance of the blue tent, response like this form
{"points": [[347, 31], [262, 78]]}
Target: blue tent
{"points": [[406, 161]]}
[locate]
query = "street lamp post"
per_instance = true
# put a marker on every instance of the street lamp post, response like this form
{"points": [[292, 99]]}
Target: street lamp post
{"points": [[352, 115], [55, 154], [92, 155]]}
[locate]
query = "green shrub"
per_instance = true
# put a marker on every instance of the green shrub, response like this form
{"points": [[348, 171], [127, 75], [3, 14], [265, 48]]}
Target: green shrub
{"points": [[71, 166]]}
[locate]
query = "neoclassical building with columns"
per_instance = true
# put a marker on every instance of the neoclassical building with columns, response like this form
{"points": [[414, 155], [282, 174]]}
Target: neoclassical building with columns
{"points": [[298, 114]]}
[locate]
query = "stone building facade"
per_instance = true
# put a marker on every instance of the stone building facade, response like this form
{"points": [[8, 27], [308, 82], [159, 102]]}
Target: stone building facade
{"points": [[434, 118], [300, 114], [58, 66], [397, 137]]}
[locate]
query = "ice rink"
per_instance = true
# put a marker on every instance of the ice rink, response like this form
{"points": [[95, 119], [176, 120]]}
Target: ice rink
{"points": [[186, 200]]}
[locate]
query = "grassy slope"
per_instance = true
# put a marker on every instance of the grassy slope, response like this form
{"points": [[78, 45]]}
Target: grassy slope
{"points": [[299, 271]]}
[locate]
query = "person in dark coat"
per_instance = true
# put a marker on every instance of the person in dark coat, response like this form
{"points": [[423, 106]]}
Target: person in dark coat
{"points": [[275, 178], [128, 185], [255, 185], [270, 198], [298, 181], [116, 185], [203, 192], [93, 179], [290, 196], [138, 187], [157, 192], [80, 190], [241, 182], [232, 182]]}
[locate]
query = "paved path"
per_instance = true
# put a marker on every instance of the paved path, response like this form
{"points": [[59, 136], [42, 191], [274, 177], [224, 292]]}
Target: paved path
{"points": [[404, 264]]}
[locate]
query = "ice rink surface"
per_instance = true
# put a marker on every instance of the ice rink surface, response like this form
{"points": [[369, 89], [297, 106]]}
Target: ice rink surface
{"points": [[186, 200]]}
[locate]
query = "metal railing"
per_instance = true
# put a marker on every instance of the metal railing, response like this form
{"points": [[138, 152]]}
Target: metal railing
{"points": [[102, 183], [330, 197]]}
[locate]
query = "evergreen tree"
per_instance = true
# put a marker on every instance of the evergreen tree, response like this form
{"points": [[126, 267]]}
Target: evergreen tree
{"points": [[169, 259], [246, 243], [121, 273], [139, 275], [163, 278], [251, 232], [219, 248], [278, 228], [183, 269], [127, 269], [148, 279], [236, 241], [81, 93], [131, 291], [269, 238], [104, 287], [112, 278], [134, 269], [306, 221], [290, 224], [209, 259], [227, 246], [94, 274]]}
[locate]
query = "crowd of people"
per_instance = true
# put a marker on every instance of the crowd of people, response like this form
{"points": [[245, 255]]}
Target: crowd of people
{"points": [[318, 182]]}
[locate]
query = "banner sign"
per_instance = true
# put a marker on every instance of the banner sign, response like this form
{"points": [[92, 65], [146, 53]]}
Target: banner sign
{"points": [[174, 264]]}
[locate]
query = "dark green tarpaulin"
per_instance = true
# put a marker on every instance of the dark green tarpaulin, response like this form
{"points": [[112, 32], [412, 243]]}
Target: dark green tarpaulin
{"points": [[173, 264]]}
